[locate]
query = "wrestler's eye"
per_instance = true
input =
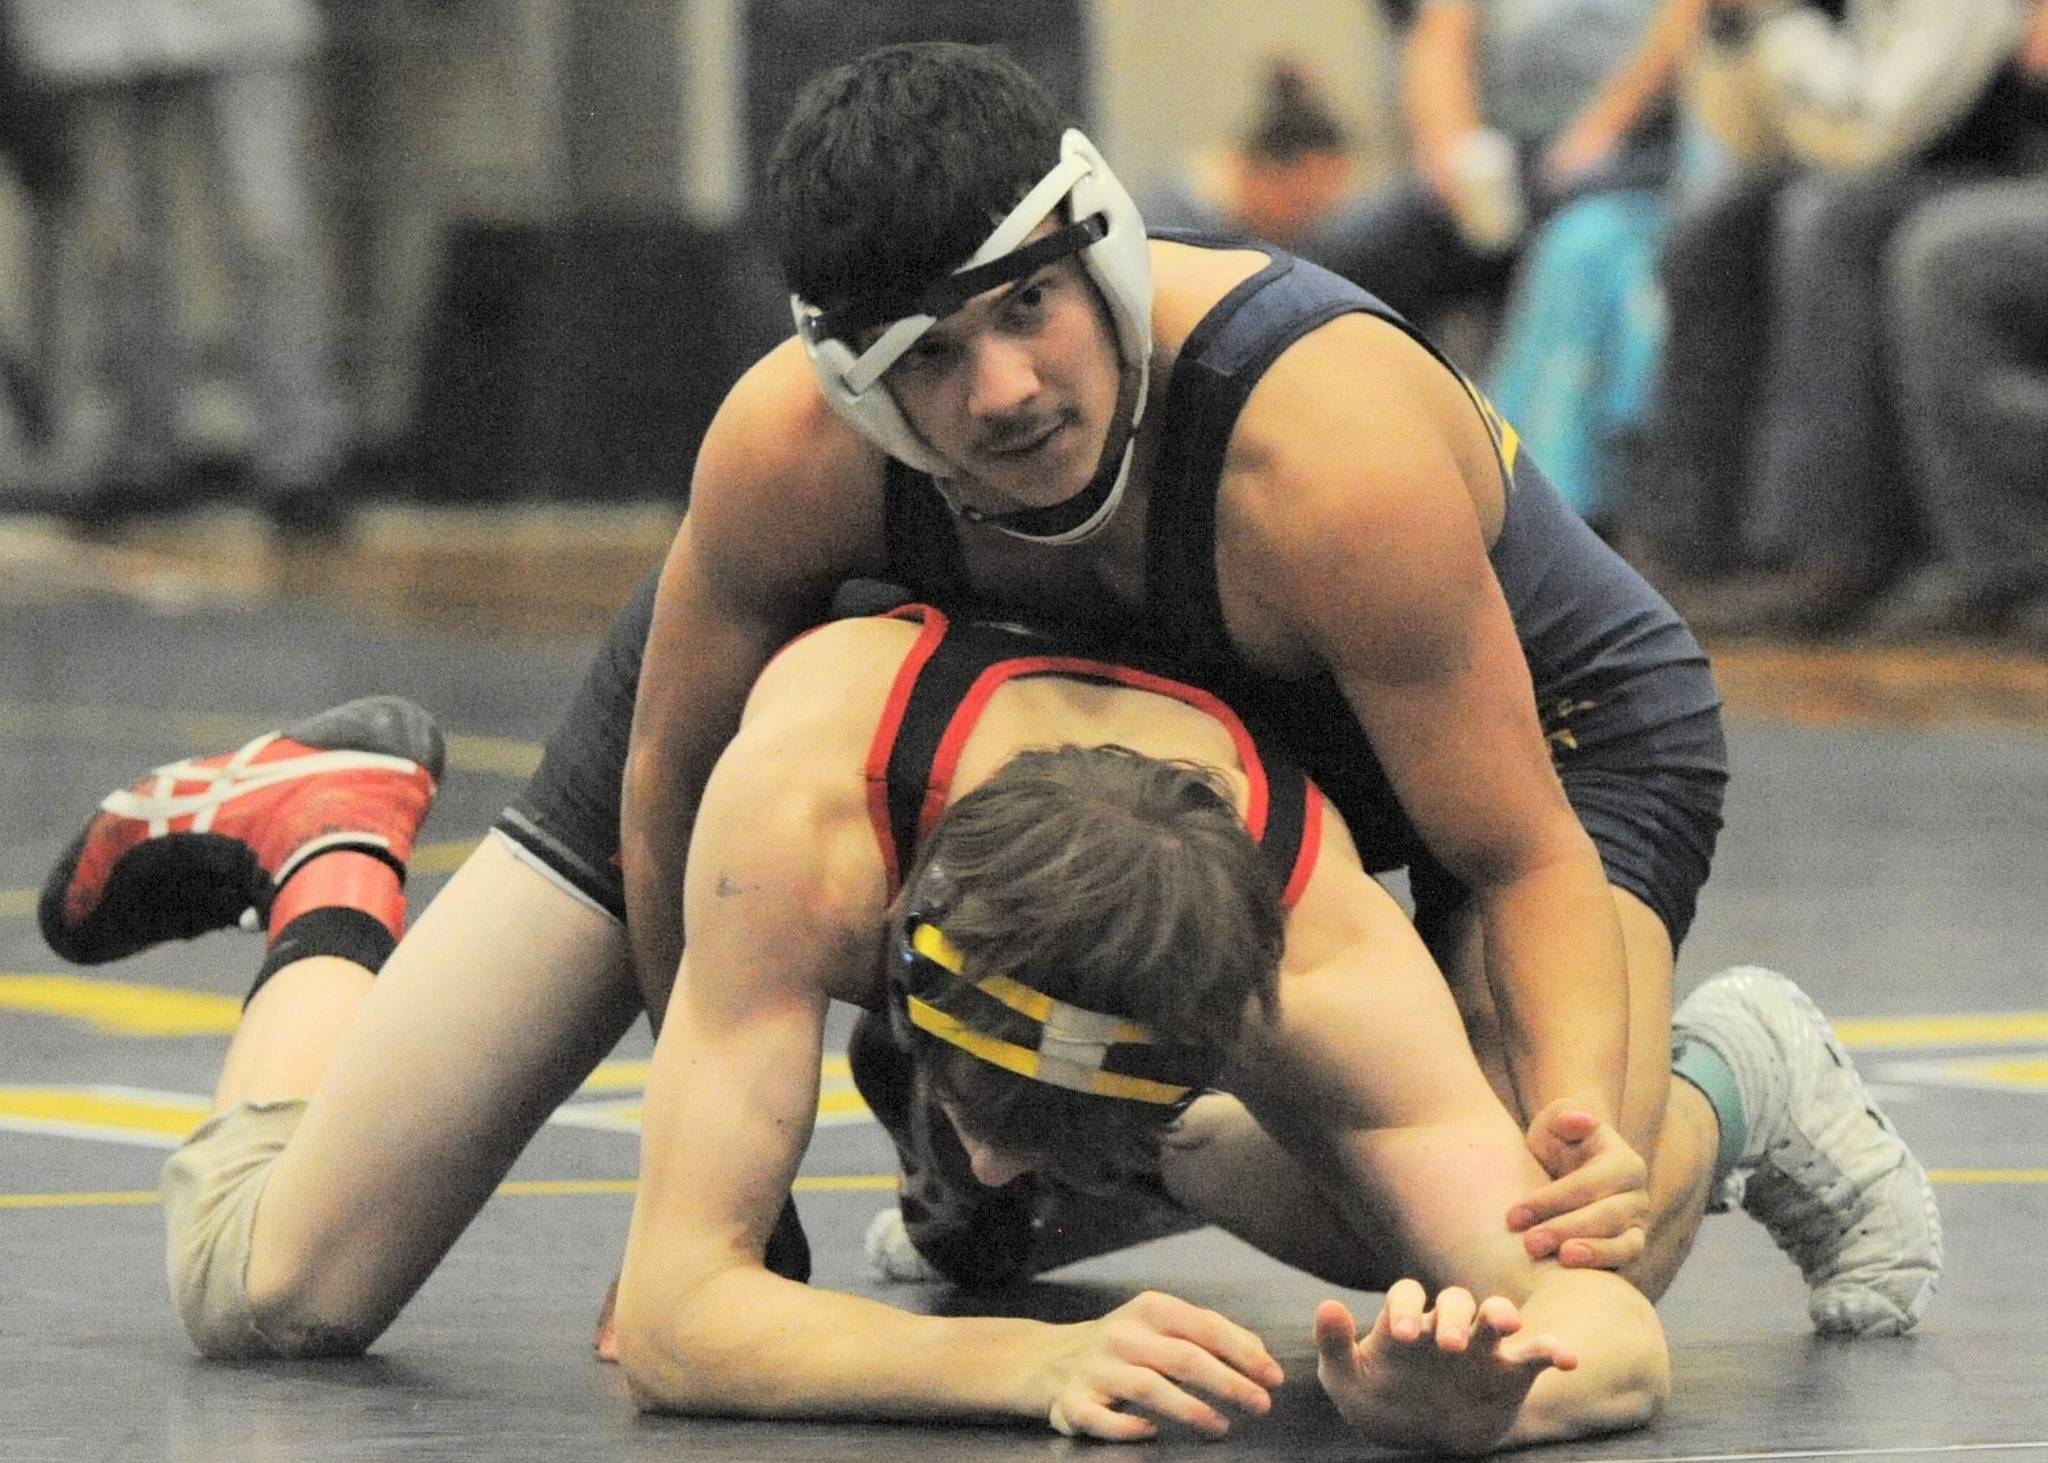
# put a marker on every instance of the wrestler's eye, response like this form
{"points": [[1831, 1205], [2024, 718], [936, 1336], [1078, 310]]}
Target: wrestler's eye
{"points": [[931, 353], [1027, 302]]}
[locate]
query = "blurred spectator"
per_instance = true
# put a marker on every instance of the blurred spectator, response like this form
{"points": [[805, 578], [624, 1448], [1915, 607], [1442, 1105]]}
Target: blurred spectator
{"points": [[40, 165], [1970, 332], [1277, 181], [1512, 107], [134, 78], [1575, 359], [1847, 120]]}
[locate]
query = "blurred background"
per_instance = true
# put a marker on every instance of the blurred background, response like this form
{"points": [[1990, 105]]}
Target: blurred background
{"points": [[291, 292]]}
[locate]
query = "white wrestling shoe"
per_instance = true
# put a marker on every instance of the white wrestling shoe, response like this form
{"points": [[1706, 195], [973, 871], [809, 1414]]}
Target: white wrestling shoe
{"points": [[1822, 1170], [891, 1255]]}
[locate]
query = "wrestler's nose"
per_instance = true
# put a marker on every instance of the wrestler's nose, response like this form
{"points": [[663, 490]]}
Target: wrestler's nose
{"points": [[1003, 377], [992, 1167]]}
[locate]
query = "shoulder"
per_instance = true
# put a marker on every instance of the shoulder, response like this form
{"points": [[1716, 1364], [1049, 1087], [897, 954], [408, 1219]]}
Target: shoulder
{"points": [[778, 473], [1188, 281], [785, 815], [832, 676], [1355, 430]]}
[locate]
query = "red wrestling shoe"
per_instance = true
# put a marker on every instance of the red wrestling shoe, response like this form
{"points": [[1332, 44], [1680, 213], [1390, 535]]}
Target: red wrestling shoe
{"points": [[203, 844]]}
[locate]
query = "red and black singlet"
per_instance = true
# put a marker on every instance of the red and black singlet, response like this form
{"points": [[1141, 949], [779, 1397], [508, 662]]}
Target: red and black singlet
{"points": [[944, 685]]}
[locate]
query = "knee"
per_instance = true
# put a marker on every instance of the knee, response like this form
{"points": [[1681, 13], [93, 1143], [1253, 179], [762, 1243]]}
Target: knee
{"points": [[233, 1308], [286, 1308]]}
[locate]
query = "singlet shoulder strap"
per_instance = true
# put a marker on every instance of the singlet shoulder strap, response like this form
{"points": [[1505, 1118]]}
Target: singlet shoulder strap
{"points": [[905, 795], [945, 683], [1220, 362]]}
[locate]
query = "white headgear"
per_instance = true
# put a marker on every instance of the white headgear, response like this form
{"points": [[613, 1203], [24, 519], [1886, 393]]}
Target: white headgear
{"points": [[1103, 227]]}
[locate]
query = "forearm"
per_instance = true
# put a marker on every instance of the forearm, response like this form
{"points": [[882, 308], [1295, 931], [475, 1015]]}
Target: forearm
{"points": [[654, 823], [1439, 95], [1624, 1373], [750, 1344], [1646, 77], [656, 812], [695, 670], [1558, 973]]}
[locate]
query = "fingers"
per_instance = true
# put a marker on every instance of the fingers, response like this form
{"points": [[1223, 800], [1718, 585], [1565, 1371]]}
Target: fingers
{"points": [[1607, 1233], [1091, 1419], [1557, 1126], [1402, 1314], [1498, 1329], [1455, 1308], [1149, 1354], [1497, 1319], [1600, 1195], [1336, 1332], [1216, 1334], [1168, 1360], [1598, 1251], [1537, 1353]]}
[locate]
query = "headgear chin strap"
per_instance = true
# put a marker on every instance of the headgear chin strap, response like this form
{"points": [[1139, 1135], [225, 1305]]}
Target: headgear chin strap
{"points": [[1078, 1049], [1103, 228]]}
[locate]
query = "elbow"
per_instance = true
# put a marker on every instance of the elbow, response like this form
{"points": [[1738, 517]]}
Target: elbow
{"points": [[648, 1362], [1640, 1396], [663, 1368], [1641, 1373]]}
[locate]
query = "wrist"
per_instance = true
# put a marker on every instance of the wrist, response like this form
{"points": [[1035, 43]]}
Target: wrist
{"points": [[1022, 1367]]}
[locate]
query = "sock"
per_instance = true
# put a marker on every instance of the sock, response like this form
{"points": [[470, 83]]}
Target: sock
{"points": [[1706, 1070], [347, 878], [344, 903]]}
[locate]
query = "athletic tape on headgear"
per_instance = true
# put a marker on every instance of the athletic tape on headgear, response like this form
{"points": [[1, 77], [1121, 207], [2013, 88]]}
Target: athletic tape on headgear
{"points": [[1103, 228], [1078, 1049]]}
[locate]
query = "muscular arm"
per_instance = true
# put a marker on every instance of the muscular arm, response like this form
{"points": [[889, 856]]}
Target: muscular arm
{"points": [[703, 1326], [781, 511], [1368, 1076], [1378, 558]]}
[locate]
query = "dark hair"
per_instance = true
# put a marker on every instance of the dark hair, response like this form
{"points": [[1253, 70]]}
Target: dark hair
{"points": [[893, 168], [1117, 882], [1292, 119]]}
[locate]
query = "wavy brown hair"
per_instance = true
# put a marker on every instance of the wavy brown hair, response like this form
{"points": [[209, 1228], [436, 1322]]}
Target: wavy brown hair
{"points": [[1117, 882]]}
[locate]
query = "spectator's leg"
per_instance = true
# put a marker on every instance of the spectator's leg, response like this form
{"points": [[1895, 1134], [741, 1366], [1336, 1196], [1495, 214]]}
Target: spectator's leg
{"points": [[1831, 496], [260, 132], [146, 357], [1714, 269], [1969, 292]]}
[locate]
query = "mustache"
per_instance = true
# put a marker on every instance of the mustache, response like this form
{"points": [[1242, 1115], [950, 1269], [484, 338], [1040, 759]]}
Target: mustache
{"points": [[1010, 437]]}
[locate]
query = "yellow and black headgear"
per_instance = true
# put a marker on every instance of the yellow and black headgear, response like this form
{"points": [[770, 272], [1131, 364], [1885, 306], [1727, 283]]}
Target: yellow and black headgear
{"points": [[1076, 1049]]}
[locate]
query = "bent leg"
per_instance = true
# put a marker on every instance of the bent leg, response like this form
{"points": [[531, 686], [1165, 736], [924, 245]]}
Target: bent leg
{"points": [[419, 1090], [1681, 1181]]}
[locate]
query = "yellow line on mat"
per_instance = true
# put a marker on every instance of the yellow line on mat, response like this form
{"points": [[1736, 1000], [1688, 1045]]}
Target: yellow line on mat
{"points": [[516, 1188], [1979, 1028]]}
